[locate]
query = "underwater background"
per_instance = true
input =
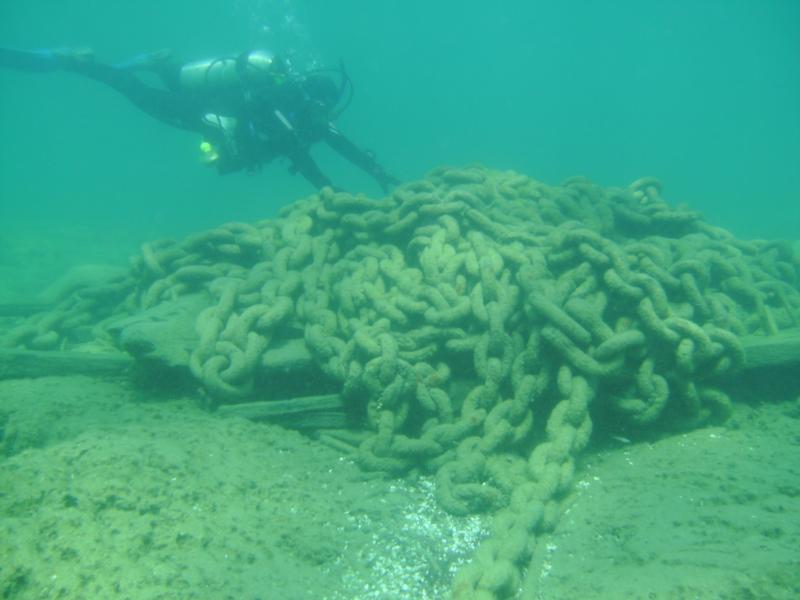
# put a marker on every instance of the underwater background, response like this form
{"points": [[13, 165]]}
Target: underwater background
{"points": [[115, 489], [703, 95]]}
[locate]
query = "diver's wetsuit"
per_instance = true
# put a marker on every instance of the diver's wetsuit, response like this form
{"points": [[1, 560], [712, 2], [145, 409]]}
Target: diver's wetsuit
{"points": [[251, 107]]}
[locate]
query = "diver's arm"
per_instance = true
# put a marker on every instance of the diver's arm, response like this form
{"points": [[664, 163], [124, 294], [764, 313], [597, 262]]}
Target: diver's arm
{"points": [[358, 157], [303, 163]]}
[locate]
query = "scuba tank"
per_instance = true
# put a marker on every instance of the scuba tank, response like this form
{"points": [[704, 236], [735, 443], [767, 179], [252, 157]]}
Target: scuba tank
{"points": [[255, 66]]}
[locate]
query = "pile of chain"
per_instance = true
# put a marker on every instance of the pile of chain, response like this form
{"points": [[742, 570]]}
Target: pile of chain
{"points": [[473, 320]]}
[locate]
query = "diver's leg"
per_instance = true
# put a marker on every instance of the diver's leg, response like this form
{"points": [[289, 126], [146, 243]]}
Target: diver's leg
{"points": [[146, 61], [168, 106], [160, 63]]}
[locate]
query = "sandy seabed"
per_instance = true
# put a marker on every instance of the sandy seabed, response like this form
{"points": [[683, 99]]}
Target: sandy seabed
{"points": [[706, 515], [105, 493], [108, 493]]}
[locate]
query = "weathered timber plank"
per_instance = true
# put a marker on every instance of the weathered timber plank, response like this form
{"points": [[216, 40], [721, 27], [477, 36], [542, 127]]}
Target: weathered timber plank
{"points": [[773, 350], [32, 363]]}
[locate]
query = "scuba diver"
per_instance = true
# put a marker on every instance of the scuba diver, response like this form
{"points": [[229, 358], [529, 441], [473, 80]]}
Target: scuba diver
{"points": [[250, 108]]}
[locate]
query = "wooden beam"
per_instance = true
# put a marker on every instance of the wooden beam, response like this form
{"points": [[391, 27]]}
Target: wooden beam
{"points": [[16, 364], [325, 411], [760, 351], [771, 351]]}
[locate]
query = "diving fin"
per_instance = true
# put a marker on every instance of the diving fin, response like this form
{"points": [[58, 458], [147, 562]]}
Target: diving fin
{"points": [[44, 60]]}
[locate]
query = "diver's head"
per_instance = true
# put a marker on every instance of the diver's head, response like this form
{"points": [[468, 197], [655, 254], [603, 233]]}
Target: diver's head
{"points": [[322, 90]]}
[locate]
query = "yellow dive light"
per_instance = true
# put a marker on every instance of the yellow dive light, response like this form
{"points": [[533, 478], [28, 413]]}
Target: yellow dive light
{"points": [[209, 153]]}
